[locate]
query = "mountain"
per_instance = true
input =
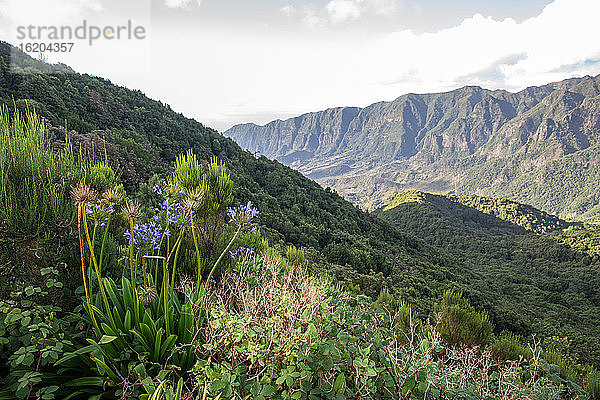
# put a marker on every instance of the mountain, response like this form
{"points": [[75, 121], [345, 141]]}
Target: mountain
{"points": [[532, 271], [539, 146]]}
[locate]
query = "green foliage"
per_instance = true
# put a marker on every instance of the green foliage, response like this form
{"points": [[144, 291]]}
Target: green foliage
{"points": [[296, 256], [460, 324], [275, 333], [510, 347], [529, 283], [35, 179], [33, 336], [591, 383]]}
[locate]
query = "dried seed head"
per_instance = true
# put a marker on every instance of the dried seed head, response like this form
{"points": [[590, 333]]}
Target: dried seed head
{"points": [[186, 285], [82, 194], [132, 210], [194, 198], [113, 195], [147, 294]]}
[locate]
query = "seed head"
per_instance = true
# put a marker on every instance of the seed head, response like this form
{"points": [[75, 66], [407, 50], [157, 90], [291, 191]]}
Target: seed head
{"points": [[147, 294], [194, 199], [113, 195], [132, 210], [83, 194]]}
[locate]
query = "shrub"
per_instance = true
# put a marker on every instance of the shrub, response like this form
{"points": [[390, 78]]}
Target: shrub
{"points": [[295, 256], [510, 347], [460, 324], [35, 178], [591, 383]]}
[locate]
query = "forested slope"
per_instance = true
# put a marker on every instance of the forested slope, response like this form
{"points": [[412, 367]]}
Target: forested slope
{"points": [[533, 272]]}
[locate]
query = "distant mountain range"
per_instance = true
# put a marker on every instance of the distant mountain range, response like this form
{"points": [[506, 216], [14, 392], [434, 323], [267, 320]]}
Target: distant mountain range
{"points": [[540, 146]]}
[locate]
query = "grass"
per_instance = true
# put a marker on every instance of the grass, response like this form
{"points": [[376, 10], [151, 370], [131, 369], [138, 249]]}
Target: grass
{"points": [[35, 177]]}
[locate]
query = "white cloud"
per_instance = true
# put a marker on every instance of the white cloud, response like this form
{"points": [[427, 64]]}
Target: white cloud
{"points": [[344, 10], [181, 3], [336, 12], [340, 11], [288, 10]]}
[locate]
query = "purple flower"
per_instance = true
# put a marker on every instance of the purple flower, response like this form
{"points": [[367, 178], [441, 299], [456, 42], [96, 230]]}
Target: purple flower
{"points": [[147, 236], [100, 211], [243, 215], [242, 254], [172, 213]]}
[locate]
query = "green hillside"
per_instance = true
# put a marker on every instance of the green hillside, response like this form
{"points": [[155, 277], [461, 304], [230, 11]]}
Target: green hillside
{"points": [[140, 139], [529, 280], [229, 316]]}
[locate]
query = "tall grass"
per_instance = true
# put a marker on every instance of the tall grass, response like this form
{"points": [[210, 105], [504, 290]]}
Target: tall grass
{"points": [[35, 179]]}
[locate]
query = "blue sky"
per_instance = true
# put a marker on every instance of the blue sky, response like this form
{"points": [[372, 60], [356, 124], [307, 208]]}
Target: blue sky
{"points": [[231, 61]]}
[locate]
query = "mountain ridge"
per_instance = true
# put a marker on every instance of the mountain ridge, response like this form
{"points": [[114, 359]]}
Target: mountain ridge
{"points": [[435, 142]]}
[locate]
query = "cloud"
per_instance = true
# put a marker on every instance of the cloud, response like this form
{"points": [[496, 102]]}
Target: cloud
{"points": [[181, 3], [344, 10], [320, 70], [337, 12], [340, 11], [288, 10]]}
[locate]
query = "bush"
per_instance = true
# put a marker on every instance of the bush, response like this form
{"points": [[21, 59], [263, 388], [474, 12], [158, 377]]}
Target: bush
{"points": [[35, 178], [591, 383], [460, 324], [510, 347]]}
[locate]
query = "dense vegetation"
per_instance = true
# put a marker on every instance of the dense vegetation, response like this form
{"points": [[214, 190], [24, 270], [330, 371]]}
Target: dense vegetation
{"points": [[529, 283], [122, 137], [141, 138], [196, 304]]}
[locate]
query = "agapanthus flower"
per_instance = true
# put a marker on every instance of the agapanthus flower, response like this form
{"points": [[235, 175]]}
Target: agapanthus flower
{"points": [[172, 212], [100, 211], [242, 254], [243, 215], [147, 236]]}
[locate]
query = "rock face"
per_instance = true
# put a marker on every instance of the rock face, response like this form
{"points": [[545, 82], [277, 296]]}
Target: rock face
{"points": [[467, 140]]}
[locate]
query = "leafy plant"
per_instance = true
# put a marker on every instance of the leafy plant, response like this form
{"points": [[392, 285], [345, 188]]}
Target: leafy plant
{"points": [[460, 324], [142, 327]]}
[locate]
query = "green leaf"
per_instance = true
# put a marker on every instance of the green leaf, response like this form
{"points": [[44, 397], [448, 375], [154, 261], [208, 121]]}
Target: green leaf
{"points": [[340, 383], [107, 339]]}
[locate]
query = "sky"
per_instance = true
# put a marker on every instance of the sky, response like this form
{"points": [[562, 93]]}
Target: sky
{"points": [[224, 62]]}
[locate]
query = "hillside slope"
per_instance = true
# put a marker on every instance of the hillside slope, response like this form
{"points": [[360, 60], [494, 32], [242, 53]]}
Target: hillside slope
{"points": [[141, 138], [530, 282], [469, 140]]}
